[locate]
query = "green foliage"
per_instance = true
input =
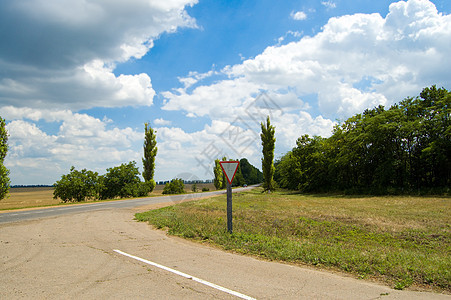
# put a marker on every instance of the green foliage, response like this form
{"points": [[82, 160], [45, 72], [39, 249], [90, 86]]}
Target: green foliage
{"points": [[224, 179], [404, 149], [268, 143], [238, 180], [4, 172], [120, 181], [150, 152], [251, 174], [139, 189], [77, 186], [218, 175], [205, 189], [175, 186], [194, 188]]}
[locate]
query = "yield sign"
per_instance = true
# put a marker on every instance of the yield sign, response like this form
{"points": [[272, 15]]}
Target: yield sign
{"points": [[229, 168]]}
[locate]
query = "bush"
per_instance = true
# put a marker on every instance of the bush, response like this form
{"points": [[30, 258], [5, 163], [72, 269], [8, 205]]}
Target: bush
{"points": [[176, 186], [205, 189], [120, 181], [77, 186], [139, 189]]}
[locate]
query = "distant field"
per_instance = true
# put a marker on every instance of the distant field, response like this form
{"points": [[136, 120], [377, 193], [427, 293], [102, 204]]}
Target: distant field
{"points": [[24, 197], [403, 241]]}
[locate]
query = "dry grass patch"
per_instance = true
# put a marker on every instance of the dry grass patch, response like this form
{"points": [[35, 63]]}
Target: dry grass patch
{"points": [[28, 197], [24, 197]]}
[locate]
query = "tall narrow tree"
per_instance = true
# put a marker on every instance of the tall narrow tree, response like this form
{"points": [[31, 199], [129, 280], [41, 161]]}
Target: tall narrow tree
{"points": [[150, 152], [268, 143], [218, 175], [4, 172]]}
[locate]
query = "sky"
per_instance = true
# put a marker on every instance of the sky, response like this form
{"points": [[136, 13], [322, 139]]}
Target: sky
{"points": [[80, 78]]}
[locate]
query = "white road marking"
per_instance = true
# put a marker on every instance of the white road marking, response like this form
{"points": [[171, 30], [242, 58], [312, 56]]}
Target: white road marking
{"points": [[215, 286]]}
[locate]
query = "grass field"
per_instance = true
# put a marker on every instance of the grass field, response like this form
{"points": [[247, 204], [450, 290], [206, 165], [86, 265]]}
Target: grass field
{"points": [[402, 241], [26, 197]]}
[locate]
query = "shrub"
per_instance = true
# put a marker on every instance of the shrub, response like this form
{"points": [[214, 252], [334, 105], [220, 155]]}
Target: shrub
{"points": [[77, 186], [176, 186], [139, 189], [205, 189], [120, 181]]}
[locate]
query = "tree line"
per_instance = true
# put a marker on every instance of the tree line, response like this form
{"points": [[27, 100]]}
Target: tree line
{"points": [[403, 149], [245, 174]]}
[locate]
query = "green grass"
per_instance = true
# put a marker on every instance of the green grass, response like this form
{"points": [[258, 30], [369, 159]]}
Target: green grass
{"points": [[402, 241]]}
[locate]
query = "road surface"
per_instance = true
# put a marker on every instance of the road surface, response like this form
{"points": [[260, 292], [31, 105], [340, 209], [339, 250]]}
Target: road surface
{"points": [[28, 214], [72, 256]]}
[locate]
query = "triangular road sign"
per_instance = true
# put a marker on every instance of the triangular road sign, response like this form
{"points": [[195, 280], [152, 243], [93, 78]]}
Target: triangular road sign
{"points": [[229, 168]]}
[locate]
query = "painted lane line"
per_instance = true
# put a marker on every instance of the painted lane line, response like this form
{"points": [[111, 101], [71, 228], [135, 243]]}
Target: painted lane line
{"points": [[215, 286]]}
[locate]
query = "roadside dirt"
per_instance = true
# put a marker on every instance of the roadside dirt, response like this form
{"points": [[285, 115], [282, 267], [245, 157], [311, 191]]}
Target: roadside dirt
{"points": [[72, 256]]}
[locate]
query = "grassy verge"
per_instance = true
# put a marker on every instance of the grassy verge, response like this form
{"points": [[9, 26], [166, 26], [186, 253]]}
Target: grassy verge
{"points": [[402, 241]]}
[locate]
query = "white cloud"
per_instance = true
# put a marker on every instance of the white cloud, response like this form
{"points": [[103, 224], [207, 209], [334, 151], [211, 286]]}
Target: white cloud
{"points": [[63, 53], [179, 151], [81, 140], [162, 122], [298, 16], [401, 53], [329, 4]]}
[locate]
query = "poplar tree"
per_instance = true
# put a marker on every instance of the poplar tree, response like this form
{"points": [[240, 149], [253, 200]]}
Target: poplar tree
{"points": [[268, 143], [218, 175], [4, 172], [224, 179], [150, 152]]}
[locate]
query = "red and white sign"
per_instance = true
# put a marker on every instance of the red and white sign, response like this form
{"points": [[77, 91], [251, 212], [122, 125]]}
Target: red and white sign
{"points": [[229, 168]]}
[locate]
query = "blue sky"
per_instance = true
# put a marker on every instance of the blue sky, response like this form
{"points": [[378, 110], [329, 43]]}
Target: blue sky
{"points": [[79, 79]]}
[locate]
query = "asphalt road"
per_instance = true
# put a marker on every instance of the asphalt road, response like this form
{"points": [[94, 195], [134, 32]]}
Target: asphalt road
{"points": [[97, 251], [29, 214]]}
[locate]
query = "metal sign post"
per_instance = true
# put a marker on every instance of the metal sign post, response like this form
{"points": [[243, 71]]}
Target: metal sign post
{"points": [[229, 208], [229, 168]]}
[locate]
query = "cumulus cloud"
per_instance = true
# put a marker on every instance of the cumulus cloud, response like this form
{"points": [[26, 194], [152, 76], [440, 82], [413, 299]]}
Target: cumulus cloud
{"points": [[81, 140], [356, 62], [298, 16], [162, 122], [63, 53]]}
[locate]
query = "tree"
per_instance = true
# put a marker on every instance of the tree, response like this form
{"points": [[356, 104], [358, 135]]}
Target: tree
{"points": [[224, 179], [251, 174], [123, 181], [239, 178], [403, 149], [77, 186], [4, 172], [176, 186], [218, 175], [268, 143], [150, 152]]}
